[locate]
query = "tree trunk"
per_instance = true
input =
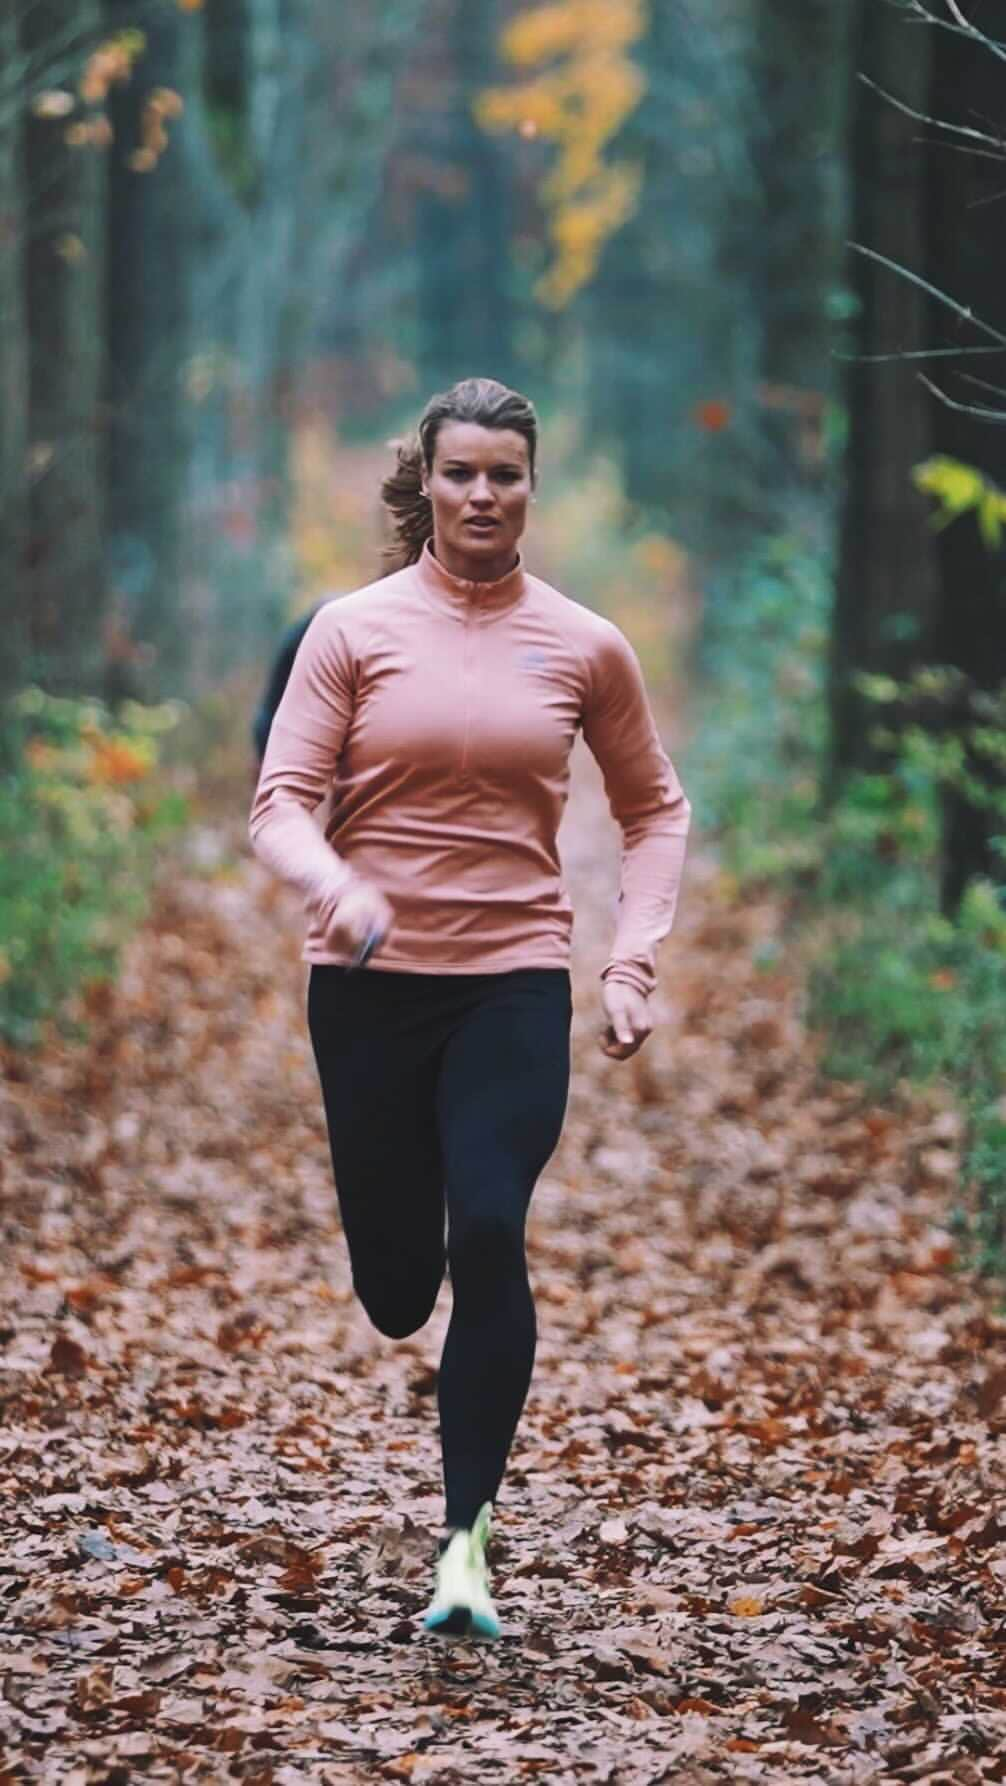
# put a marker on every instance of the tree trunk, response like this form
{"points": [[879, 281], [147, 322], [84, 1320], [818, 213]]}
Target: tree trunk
{"points": [[64, 203], [465, 298], [150, 249], [220, 258], [672, 350], [885, 585], [798, 45], [13, 379], [642, 377], [967, 259]]}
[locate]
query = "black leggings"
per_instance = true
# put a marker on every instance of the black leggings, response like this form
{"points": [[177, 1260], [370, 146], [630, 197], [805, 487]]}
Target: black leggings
{"points": [[445, 1095]]}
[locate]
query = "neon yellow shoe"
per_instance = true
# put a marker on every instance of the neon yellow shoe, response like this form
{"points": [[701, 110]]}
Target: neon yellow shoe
{"points": [[461, 1606]]}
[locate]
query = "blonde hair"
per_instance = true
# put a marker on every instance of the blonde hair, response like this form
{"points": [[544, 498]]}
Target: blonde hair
{"points": [[480, 400]]}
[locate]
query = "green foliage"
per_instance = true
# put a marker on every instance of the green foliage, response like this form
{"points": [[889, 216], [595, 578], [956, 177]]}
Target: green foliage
{"points": [[897, 991], [82, 810], [960, 488], [754, 770], [911, 995]]}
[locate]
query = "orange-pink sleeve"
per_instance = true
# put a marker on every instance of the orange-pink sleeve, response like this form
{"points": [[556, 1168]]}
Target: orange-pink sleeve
{"points": [[648, 802], [299, 766]]}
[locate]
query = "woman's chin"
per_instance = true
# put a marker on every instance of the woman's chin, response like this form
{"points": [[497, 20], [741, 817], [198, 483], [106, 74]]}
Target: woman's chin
{"points": [[482, 545]]}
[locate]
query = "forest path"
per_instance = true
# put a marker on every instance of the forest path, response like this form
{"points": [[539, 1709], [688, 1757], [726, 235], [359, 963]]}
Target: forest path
{"points": [[750, 1527]]}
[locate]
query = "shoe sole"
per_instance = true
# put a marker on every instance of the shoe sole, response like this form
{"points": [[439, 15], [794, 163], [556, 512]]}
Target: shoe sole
{"points": [[460, 1621]]}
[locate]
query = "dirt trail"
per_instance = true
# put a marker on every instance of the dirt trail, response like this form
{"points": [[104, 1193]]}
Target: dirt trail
{"points": [[753, 1527]]}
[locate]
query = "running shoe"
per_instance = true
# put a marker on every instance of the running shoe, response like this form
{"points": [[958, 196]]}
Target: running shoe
{"points": [[461, 1606]]}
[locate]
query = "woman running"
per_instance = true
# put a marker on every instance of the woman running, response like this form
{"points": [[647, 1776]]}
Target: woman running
{"points": [[438, 708]]}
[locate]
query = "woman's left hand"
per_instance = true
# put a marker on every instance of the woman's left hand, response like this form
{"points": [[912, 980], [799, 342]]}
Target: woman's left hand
{"points": [[628, 1020]]}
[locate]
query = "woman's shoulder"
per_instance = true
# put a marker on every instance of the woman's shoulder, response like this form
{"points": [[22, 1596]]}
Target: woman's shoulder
{"points": [[587, 628], [338, 611]]}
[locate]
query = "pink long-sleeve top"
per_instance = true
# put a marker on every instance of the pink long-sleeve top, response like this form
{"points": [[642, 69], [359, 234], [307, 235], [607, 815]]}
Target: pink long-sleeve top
{"points": [[438, 717]]}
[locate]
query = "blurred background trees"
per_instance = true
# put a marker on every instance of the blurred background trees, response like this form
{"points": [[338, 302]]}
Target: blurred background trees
{"points": [[718, 241], [886, 576], [627, 207], [630, 207], [965, 257], [183, 185], [926, 202]]}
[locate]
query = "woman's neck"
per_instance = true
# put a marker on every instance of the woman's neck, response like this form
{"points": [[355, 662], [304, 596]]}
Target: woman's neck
{"points": [[472, 569]]}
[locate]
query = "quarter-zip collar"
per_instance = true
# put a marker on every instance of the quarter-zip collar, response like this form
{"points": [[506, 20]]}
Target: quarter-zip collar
{"points": [[470, 599]]}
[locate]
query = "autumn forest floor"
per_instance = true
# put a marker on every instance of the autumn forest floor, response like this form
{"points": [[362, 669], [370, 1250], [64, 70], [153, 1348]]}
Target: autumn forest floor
{"points": [[754, 1525]]}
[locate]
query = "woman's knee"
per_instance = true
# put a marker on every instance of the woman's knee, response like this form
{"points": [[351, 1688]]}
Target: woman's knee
{"points": [[487, 1244], [400, 1309]]}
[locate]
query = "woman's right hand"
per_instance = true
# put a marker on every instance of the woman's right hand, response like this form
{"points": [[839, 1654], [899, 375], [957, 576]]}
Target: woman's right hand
{"points": [[360, 911]]}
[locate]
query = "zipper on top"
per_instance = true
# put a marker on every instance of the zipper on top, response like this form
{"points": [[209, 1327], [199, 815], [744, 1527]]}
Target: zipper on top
{"points": [[467, 684]]}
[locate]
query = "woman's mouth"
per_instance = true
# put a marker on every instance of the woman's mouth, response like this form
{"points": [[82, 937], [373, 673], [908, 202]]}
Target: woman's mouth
{"points": [[482, 526]]}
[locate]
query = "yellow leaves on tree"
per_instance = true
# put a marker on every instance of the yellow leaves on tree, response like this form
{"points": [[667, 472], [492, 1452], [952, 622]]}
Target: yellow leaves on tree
{"points": [[110, 64], [162, 103], [958, 488], [95, 132], [582, 85]]}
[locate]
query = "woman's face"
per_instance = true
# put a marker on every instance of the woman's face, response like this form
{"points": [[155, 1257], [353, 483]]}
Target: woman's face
{"points": [[480, 486]]}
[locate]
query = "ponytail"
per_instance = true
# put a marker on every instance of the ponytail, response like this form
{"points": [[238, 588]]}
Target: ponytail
{"points": [[411, 511]]}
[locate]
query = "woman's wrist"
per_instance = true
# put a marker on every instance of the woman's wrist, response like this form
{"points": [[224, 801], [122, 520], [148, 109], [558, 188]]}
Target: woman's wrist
{"points": [[332, 896]]}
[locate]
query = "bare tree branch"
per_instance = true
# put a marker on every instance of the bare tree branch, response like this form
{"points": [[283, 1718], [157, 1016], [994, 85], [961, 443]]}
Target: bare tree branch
{"points": [[983, 384], [923, 284], [963, 29], [939, 123], [920, 353], [961, 26], [992, 199], [973, 30], [984, 415], [958, 149], [929, 18]]}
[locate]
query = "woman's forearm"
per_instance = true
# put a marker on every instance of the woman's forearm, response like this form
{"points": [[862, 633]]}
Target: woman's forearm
{"points": [[305, 741], [286, 838], [653, 858]]}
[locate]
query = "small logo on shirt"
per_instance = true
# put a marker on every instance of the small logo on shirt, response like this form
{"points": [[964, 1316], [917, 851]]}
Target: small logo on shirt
{"points": [[532, 659]]}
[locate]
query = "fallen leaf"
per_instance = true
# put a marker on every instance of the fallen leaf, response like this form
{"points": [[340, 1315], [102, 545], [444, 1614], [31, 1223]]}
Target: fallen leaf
{"points": [[614, 1531]]}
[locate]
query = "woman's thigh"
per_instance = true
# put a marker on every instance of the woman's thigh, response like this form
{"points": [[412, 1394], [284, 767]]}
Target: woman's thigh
{"points": [[378, 1067], [502, 1094]]}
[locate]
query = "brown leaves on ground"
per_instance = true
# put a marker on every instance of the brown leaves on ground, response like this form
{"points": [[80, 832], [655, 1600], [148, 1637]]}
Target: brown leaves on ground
{"points": [[754, 1525]]}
